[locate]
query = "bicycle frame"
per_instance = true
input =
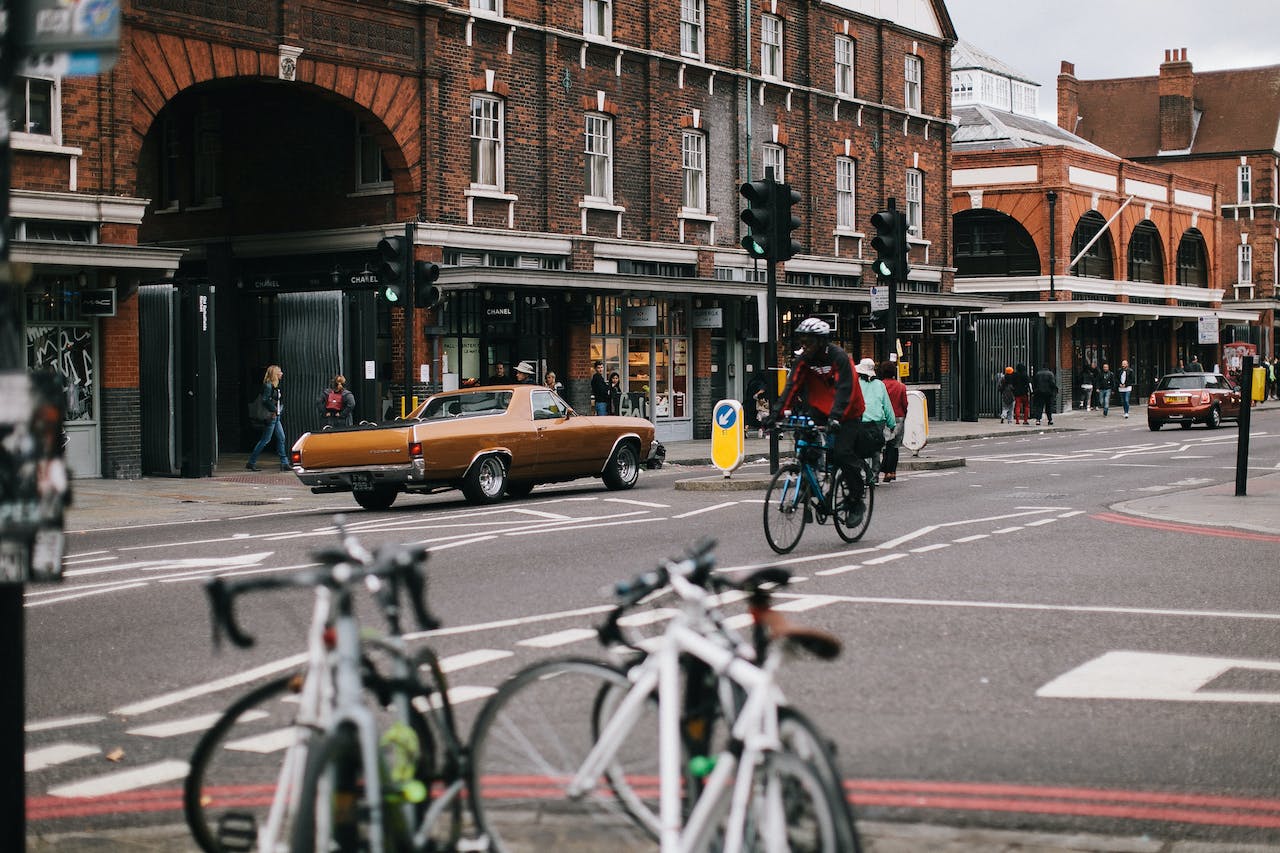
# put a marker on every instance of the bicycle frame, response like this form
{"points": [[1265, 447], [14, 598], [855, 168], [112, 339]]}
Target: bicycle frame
{"points": [[755, 727]]}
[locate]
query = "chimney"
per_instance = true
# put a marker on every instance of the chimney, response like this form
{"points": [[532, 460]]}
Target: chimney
{"points": [[1068, 97], [1177, 100]]}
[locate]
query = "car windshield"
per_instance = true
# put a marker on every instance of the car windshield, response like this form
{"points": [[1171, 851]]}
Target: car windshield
{"points": [[1183, 381], [465, 405]]}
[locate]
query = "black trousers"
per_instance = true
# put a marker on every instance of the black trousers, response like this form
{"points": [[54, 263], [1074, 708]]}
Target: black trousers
{"points": [[845, 454], [1041, 403]]}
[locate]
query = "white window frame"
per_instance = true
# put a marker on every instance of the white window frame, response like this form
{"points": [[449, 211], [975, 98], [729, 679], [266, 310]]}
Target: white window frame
{"points": [[846, 193], [844, 60], [915, 203], [1244, 264], [21, 106], [597, 19], [693, 158], [1244, 184], [487, 7], [771, 35], [693, 16], [774, 157], [488, 132], [367, 146], [913, 74], [962, 88], [598, 157]]}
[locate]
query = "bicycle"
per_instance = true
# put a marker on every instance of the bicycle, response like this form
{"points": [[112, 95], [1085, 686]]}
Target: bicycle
{"points": [[355, 688], [812, 487], [565, 750]]}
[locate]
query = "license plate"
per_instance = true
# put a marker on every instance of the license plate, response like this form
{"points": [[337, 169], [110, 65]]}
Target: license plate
{"points": [[361, 482], [1175, 398]]}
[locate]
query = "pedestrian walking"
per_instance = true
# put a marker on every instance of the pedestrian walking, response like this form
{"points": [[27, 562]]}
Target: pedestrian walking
{"points": [[599, 390], [615, 393], [1195, 366], [1021, 395], [1124, 384], [897, 392], [337, 403], [1005, 389], [1106, 385], [1044, 389], [272, 410], [524, 373], [554, 384], [1088, 378]]}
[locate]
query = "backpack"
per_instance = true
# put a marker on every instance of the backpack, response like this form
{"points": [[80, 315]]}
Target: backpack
{"points": [[333, 402]]}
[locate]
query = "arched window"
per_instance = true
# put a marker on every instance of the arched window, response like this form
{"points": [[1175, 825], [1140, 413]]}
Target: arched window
{"points": [[1146, 260], [1193, 269], [991, 243], [1098, 261]]}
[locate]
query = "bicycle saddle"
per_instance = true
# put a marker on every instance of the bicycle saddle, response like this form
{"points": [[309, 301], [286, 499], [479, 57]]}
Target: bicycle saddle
{"points": [[817, 642]]}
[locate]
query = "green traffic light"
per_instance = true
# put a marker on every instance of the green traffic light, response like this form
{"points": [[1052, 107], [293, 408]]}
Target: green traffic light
{"points": [[391, 294]]}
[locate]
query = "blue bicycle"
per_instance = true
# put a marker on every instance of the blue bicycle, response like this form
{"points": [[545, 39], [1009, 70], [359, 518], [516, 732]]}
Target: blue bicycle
{"points": [[812, 488]]}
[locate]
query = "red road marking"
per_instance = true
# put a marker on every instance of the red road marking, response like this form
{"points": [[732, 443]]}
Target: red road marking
{"points": [[1175, 527]]}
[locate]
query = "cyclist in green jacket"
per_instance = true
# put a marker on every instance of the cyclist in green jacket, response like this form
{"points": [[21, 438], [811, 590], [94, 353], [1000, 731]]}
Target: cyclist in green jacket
{"points": [[879, 411]]}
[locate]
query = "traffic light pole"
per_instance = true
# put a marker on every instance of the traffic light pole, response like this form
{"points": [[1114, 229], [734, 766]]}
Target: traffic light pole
{"points": [[409, 234], [771, 356]]}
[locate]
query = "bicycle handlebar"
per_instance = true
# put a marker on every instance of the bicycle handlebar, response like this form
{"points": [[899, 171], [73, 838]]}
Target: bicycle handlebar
{"points": [[343, 566]]}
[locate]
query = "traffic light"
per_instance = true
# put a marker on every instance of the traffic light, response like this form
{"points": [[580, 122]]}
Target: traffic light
{"points": [[786, 222], [425, 292], [890, 244], [393, 264], [759, 218]]}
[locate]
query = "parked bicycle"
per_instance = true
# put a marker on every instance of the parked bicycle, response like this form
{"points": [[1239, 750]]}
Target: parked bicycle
{"points": [[812, 488], [578, 754], [358, 749]]}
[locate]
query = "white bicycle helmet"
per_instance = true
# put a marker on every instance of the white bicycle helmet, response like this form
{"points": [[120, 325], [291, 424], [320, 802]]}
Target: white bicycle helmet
{"points": [[814, 326]]}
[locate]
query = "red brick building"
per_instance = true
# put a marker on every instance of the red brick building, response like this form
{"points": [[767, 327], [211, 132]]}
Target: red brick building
{"points": [[1220, 127], [573, 168]]}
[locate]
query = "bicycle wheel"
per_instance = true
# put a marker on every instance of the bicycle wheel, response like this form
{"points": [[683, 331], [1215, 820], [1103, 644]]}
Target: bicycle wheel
{"points": [[529, 741], [236, 766], [802, 738], [792, 809], [851, 529], [333, 808], [786, 508]]}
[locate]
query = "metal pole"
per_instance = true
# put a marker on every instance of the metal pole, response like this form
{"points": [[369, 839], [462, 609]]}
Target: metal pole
{"points": [[1053, 262], [409, 233], [899, 275], [1246, 408]]}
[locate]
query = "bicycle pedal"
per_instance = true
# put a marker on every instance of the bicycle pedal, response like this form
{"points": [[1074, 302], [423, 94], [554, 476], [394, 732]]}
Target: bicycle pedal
{"points": [[237, 832]]}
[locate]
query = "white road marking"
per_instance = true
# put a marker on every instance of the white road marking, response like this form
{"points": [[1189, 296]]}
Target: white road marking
{"points": [[187, 725], [647, 617], [58, 753], [926, 548], [1189, 456], [238, 561], [75, 595], [915, 534], [808, 602], [457, 696], [559, 638], [839, 570], [78, 561], [586, 526], [887, 558], [125, 780], [1064, 608], [476, 657], [1039, 522], [637, 503], [552, 515], [1004, 530], [974, 538], [1071, 513], [705, 509], [267, 742], [165, 700], [1156, 676], [62, 722]]}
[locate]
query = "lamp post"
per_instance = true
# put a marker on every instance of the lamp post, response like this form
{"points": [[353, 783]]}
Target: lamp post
{"points": [[540, 308], [1052, 198]]}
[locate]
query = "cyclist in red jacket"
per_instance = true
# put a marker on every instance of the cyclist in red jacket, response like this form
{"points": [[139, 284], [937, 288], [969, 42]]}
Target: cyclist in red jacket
{"points": [[823, 381]]}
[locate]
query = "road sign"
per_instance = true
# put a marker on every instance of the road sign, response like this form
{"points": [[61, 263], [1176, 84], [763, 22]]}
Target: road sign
{"points": [[915, 432], [727, 441], [67, 37], [879, 298]]}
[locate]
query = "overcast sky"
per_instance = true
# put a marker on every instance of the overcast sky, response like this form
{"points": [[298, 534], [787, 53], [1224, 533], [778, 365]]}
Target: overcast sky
{"points": [[1117, 38]]}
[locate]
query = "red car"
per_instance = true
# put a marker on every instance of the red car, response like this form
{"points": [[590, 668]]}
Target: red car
{"points": [[1190, 398]]}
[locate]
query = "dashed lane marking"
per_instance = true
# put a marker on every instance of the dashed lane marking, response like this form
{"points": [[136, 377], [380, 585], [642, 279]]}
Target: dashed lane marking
{"points": [[58, 753], [187, 725], [477, 657], [558, 638], [924, 549], [62, 722], [124, 780]]}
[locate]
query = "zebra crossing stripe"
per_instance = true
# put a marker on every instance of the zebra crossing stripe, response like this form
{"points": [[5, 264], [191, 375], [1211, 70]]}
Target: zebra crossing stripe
{"points": [[267, 742], [124, 780], [477, 657], [200, 723], [58, 753], [558, 638]]}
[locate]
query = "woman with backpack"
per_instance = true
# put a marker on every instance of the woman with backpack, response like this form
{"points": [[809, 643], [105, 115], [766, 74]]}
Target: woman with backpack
{"points": [[337, 403]]}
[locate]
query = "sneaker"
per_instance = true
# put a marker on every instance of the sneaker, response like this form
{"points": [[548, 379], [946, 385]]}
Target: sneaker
{"points": [[1037, 423], [1050, 421], [855, 513], [285, 466], [1002, 420], [1126, 414], [249, 466]]}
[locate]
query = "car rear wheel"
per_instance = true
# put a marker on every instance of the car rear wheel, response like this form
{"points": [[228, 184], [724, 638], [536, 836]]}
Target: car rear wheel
{"points": [[624, 467], [1185, 424], [1215, 418], [485, 481], [1154, 425], [381, 497]]}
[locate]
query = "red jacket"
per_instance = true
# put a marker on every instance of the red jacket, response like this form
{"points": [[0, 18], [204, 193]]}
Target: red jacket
{"points": [[827, 385], [897, 397]]}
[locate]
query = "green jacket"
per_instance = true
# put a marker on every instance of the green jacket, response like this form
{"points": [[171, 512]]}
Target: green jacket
{"points": [[878, 406]]}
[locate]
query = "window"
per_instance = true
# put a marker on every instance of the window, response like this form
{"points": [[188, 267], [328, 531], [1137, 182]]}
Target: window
{"points": [[486, 142], [775, 158], [1025, 99], [844, 65], [372, 169], [493, 7], [35, 108], [692, 14], [170, 160], [1146, 261], [1244, 184], [962, 87], [771, 46], [846, 173], [208, 156], [915, 203], [597, 18], [693, 151], [1192, 268], [911, 97], [599, 158], [1244, 264]]}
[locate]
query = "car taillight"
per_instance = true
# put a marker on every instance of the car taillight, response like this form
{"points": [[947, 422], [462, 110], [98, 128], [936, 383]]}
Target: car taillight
{"points": [[415, 449], [1204, 397], [1152, 401], [296, 457]]}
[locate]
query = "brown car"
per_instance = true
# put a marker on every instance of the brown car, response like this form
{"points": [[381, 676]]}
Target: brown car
{"points": [[485, 441], [1190, 398]]}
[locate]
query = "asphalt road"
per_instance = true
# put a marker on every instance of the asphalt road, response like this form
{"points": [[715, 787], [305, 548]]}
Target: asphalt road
{"points": [[1017, 654]]}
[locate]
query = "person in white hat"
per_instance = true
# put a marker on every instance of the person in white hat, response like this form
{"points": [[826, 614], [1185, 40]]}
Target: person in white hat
{"points": [[524, 373], [878, 413]]}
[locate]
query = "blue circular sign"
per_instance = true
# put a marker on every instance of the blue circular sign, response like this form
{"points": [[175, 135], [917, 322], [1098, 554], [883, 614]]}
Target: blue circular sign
{"points": [[726, 417]]}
